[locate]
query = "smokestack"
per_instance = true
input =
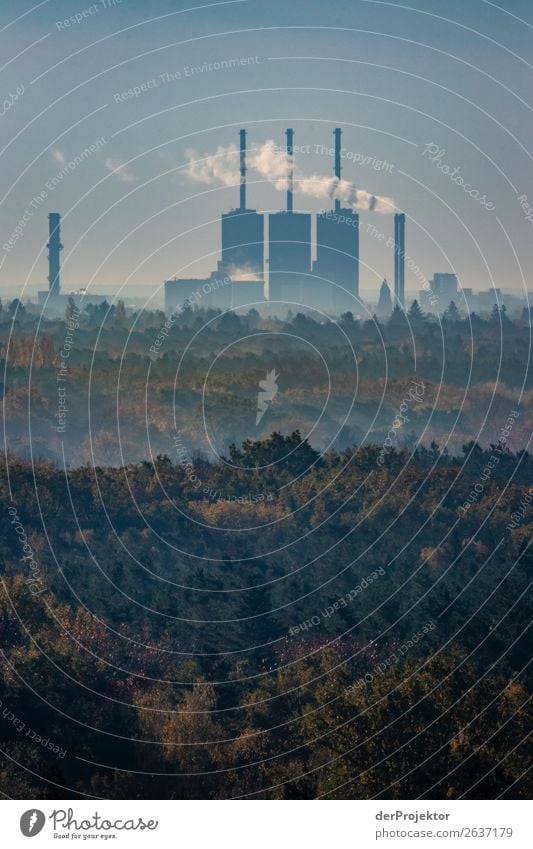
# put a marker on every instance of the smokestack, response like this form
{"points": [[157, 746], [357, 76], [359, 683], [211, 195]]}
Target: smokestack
{"points": [[337, 133], [54, 247], [242, 135], [399, 258], [290, 150]]}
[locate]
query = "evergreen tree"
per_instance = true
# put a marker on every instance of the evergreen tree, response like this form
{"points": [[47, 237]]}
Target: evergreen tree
{"points": [[397, 315], [415, 313], [452, 313]]}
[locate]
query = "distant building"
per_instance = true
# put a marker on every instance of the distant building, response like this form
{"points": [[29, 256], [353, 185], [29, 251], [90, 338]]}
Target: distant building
{"points": [[337, 247], [445, 288], [208, 292], [487, 299], [289, 263], [239, 278], [243, 243], [243, 234], [289, 269], [384, 307], [290, 278], [214, 292]]}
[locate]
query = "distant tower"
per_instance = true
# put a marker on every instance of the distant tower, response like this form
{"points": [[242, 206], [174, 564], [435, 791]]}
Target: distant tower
{"points": [[385, 304], [290, 176], [337, 134], [399, 259], [242, 137], [54, 248], [289, 247], [242, 237], [337, 252]]}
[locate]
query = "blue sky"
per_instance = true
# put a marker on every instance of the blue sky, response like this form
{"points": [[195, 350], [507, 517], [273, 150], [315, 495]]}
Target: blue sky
{"points": [[397, 77]]}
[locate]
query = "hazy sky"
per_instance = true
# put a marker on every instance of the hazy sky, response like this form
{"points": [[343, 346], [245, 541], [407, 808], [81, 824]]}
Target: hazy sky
{"points": [[397, 77]]}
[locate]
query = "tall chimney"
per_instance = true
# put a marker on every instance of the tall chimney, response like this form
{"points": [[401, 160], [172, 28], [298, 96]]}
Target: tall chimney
{"points": [[54, 247], [242, 135], [290, 150], [399, 258], [337, 133]]}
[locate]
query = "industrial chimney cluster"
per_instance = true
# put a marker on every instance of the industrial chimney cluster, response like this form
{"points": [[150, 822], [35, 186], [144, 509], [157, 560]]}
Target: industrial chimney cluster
{"points": [[330, 283]]}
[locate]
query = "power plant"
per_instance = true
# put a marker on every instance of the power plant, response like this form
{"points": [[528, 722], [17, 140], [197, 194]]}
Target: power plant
{"points": [[288, 277], [330, 283], [239, 278]]}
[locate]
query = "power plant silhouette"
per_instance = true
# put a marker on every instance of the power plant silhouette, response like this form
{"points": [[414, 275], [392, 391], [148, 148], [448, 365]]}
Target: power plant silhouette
{"points": [[329, 284], [288, 279]]}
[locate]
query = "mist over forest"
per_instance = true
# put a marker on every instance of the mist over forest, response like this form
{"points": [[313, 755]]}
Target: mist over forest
{"points": [[255, 558], [138, 385]]}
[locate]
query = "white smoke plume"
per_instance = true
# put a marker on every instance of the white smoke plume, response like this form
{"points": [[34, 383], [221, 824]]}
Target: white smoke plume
{"points": [[220, 167], [346, 192], [244, 273], [274, 165]]}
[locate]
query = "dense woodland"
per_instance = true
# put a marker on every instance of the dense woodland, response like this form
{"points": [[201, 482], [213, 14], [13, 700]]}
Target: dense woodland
{"points": [[341, 382], [178, 641], [331, 603]]}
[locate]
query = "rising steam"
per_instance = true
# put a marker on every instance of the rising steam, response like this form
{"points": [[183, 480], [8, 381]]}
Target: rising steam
{"points": [[275, 165], [243, 272]]}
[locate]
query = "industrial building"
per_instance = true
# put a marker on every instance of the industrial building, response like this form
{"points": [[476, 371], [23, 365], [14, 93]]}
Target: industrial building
{"points": [[439, 292], [238, 281], [289, 246], [243, 234], [445, 287], [329, 283], [213, 292], [337, 252]]}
